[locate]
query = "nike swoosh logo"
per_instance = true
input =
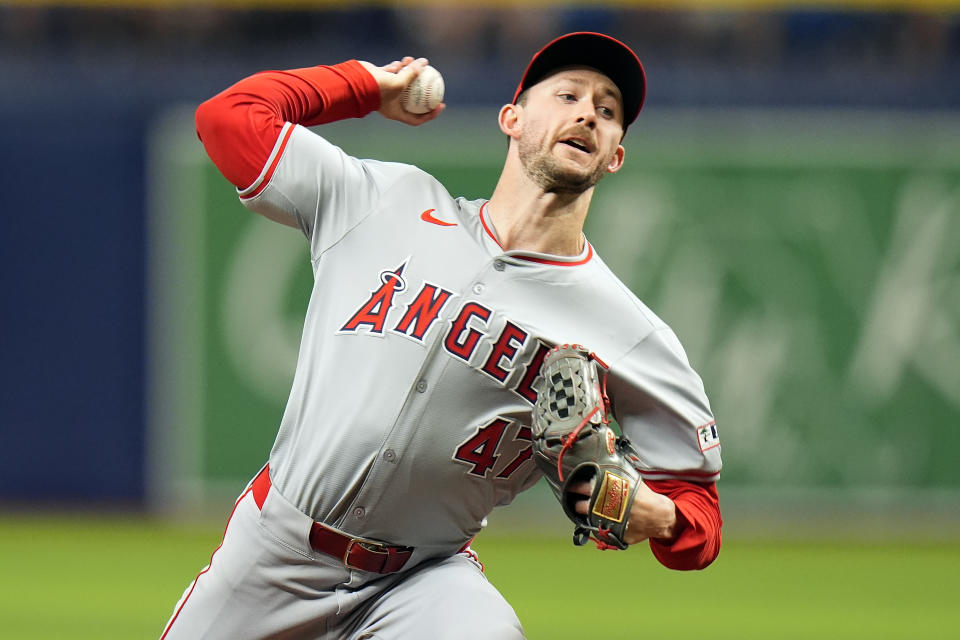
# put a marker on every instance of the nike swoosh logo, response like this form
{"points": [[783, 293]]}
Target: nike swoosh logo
{"points": [[427, 216]]}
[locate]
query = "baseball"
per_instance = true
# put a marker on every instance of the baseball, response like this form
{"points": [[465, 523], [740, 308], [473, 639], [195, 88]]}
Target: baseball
{"points": [[424, 93]]}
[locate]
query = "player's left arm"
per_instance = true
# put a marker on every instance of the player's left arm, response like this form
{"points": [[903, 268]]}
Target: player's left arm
{"points": [[660, 404], [694, 540]]}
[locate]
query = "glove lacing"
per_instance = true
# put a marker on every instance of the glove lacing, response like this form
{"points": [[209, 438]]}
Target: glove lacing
{"points": [[571, 438]]}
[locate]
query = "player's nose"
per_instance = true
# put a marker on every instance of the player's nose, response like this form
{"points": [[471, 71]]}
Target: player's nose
{"points": [[587, 121], [587, 115]]}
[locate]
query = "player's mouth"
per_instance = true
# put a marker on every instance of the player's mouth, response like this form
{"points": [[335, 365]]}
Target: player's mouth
{"points": [[578, 143]]}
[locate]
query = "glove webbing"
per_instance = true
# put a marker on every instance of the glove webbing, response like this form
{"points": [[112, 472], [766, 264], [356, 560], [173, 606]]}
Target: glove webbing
{"points": [[571, 438], [581, 536]]}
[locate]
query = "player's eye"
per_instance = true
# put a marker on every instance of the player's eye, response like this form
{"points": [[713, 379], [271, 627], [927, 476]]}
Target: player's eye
{"points": [[606, 112], [566, 96]]}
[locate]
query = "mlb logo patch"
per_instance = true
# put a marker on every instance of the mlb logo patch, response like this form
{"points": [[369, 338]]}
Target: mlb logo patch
{"points": [[708, 436]]}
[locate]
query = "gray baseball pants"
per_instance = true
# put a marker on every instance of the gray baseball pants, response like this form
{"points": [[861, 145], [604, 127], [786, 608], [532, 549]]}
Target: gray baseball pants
{"points": [[265, 581]]}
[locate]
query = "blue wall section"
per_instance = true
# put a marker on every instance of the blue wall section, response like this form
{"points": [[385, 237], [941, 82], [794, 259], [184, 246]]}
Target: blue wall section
{"points": [[72, 264]]}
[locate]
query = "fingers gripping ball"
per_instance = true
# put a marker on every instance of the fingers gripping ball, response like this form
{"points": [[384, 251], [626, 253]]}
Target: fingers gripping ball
{"points": [[574, 444], [424, 93]]}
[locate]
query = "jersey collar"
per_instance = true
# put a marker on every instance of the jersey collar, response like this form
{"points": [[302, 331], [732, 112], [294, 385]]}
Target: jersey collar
{"points": [[532, 256]]}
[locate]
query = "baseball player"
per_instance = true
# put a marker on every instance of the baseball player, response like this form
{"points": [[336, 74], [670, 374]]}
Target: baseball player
{"points": [[409, 416]]}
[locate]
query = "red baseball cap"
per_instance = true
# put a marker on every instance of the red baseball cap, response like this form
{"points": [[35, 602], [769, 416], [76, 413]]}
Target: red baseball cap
{"points": [[605, 54]]}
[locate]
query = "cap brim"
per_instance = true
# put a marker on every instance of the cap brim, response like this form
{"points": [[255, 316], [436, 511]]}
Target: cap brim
{"points": [[605, 54]]}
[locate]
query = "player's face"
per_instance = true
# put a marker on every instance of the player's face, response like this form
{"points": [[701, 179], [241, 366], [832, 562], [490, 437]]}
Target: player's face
{"points": [[572, 124]]}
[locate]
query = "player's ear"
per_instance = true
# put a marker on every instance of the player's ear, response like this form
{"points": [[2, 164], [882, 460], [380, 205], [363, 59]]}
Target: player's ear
{"points": [[616, 162], [508, 119]]}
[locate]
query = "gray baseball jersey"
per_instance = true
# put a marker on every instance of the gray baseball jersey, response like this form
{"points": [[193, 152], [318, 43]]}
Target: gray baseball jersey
{"points": [[408, 420], [409, 416]]}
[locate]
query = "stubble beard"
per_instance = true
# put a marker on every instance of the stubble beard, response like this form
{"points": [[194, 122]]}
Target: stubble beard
{"points": [[550, 175]]}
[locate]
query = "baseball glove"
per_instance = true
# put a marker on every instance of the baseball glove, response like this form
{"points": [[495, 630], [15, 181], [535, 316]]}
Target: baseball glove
{"points": [[573, 443]]}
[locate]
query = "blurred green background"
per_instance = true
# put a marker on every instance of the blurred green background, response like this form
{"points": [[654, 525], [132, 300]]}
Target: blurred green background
{"points": [[119, 578], [790, 205]]}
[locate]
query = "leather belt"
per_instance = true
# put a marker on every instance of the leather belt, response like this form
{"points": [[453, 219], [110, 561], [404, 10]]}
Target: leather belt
{"points": [[356, 553]]}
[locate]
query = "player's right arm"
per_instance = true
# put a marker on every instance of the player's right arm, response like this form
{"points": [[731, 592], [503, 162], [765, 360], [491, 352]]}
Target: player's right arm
{"points": [[239, 126], [254, 132]]}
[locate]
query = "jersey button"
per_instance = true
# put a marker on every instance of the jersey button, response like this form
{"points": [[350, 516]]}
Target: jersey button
{"points": [[478, 288], [499, 265], [359, 512], [421, 386], [389, 455]]}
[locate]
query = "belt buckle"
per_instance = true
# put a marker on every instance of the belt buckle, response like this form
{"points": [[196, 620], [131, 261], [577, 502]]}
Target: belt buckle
{"points": [[368, 545]]}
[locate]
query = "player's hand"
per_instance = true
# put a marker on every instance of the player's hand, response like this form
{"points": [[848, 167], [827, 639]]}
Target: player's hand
{"points": [[392, 80], [579, 494], [651, 516]]}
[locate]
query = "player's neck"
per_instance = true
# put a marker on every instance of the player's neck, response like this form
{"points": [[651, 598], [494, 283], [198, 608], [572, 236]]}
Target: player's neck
{"points": [[529, 219]]}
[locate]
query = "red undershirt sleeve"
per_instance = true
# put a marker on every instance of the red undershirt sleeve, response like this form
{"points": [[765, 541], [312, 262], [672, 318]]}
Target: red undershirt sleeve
{"points": [[698, 509], [239, 126]]}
